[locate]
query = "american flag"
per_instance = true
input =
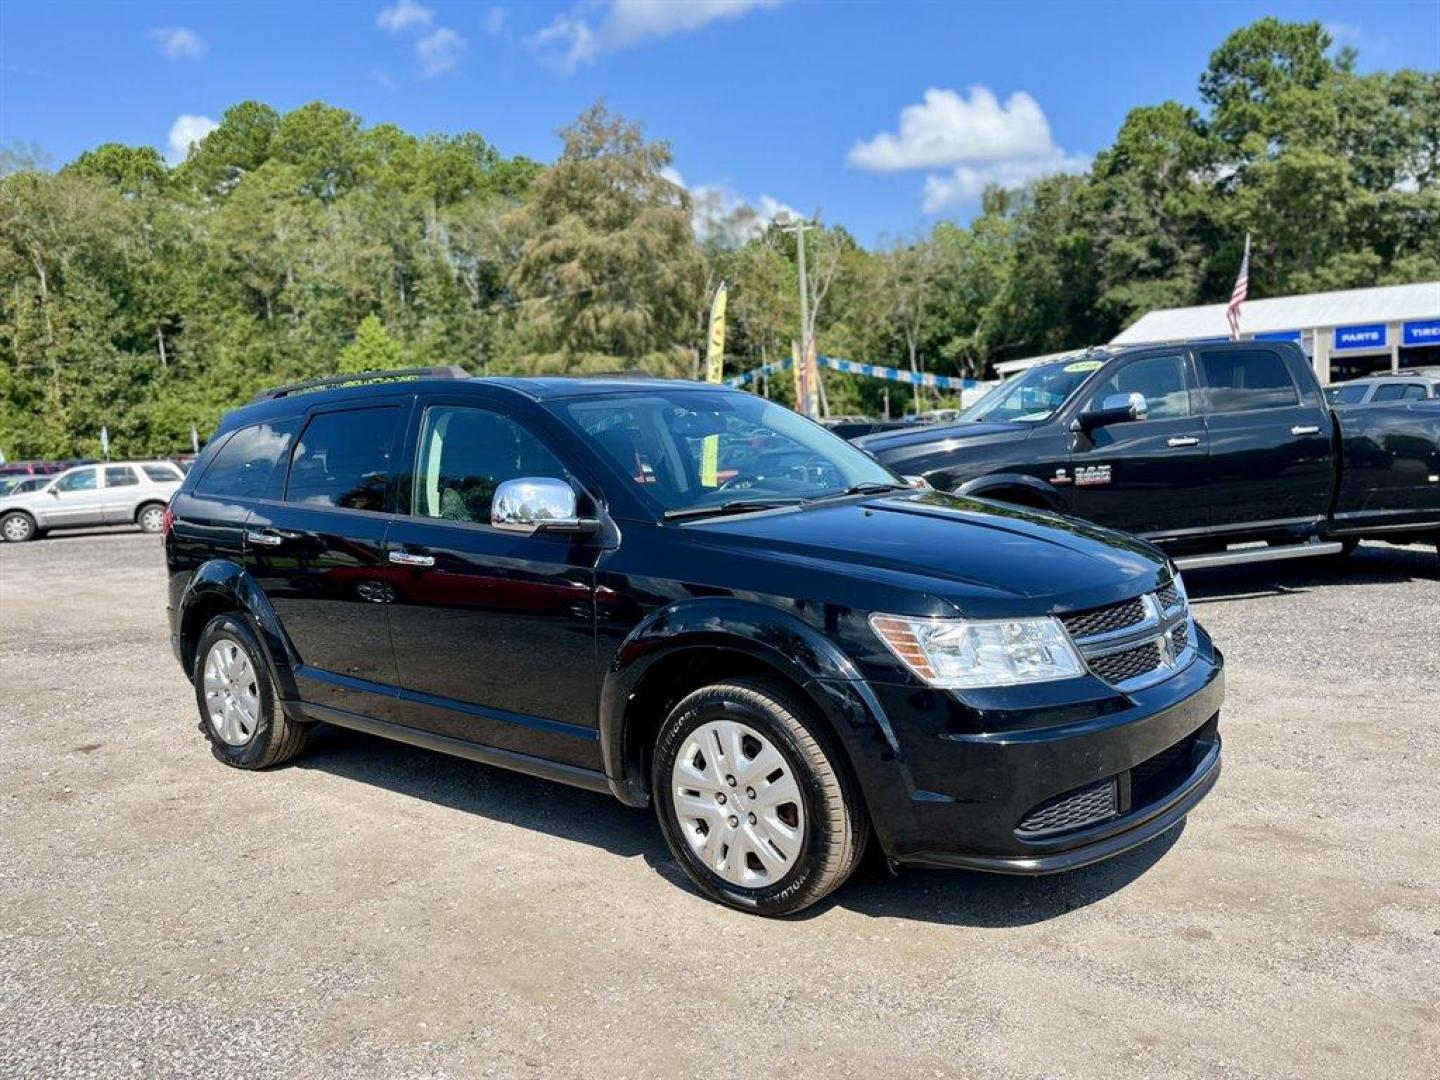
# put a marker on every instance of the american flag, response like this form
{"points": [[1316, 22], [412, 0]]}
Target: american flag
{"points": [[1238, 294]]}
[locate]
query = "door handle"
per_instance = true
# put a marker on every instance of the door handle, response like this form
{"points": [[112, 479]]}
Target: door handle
{"points": [[1183, 440], [1305, 429], [264, 539], [405, 558]]}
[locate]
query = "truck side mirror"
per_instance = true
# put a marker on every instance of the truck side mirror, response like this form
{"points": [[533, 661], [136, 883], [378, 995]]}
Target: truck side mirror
{"points": [[1114, 409]]}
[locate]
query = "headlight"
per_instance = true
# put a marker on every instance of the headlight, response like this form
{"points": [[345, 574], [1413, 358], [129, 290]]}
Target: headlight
{"points": [[963, 653]]}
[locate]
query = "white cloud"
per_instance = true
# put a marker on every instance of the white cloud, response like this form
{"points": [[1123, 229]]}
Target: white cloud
{"points": [[719, 213], [977, 140], [494, 23], [403, 16], [581, 35], [439, 51], [179, 43], [185, 131], [1342, 32]]}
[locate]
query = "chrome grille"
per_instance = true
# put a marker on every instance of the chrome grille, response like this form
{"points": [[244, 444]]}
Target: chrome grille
{"points": [[1073, 810], [1135, 642]]}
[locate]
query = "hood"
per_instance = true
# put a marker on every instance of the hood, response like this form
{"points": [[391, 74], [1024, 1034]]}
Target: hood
{"points": [[932, 435], [989, 561]]}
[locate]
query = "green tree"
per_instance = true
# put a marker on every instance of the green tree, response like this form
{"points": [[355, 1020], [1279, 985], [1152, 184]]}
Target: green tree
{"points": [[372, 350]]}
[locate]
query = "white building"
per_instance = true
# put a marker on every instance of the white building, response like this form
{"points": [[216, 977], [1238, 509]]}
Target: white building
{"points": [[1346, 334]]}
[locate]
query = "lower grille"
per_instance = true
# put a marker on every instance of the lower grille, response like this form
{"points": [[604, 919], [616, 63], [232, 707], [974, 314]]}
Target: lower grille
{"points": [[1073, 810], [1118, 667], [1157, 776]]}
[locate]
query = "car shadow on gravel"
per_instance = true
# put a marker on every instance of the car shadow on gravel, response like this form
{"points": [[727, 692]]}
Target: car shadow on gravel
{"points": [[1371, 564], [951, 897]]}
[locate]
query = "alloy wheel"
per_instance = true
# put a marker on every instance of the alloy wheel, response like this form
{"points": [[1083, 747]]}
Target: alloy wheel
{"points": [[153, 519], [738, 803], [232, 694], [18, 528]]}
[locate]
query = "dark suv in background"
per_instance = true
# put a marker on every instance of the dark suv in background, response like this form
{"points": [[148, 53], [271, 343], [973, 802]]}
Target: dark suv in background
{"points": [[691, 597]]}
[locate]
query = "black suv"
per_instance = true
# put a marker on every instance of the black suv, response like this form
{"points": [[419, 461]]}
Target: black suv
{"points": [[692, 596]]}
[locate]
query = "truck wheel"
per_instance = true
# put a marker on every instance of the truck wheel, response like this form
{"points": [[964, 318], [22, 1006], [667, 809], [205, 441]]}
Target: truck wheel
{"points": [[17, 527], [761, 815], [238, 710], [151, 517]]}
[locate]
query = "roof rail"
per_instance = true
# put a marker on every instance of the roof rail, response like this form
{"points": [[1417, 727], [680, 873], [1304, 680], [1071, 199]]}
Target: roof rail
{"points": [[450, 372]]}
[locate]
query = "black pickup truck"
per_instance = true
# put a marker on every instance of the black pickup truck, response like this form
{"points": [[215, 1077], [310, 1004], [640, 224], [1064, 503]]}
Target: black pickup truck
{"points": [[1218, 452]]}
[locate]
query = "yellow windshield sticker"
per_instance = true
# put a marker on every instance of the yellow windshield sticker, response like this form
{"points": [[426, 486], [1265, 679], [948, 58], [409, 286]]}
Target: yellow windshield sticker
{"points": [[1085, 365]]}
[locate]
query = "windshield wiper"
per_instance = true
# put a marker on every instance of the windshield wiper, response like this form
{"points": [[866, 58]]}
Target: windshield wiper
{"points": [[868, 487], [734, 506]]}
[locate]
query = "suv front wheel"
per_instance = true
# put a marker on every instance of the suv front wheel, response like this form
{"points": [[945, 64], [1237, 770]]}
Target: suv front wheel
{"points": [[238, 710], [752, 805]]}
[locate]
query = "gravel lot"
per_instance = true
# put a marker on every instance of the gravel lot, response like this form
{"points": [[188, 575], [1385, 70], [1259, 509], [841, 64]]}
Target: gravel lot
{"points": [[380, 910]]}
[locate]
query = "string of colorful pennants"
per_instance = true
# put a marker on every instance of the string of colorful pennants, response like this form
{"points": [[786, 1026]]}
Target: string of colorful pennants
{"points": [[854, 367]]}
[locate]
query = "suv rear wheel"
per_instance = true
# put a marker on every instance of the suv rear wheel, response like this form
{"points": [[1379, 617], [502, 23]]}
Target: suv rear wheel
{"points": [[17, 527], [752, 805], [238, 710]]}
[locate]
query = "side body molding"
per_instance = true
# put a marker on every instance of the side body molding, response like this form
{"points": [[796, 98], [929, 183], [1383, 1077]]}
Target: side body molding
{"points": [[228, 581], [755, 630]]}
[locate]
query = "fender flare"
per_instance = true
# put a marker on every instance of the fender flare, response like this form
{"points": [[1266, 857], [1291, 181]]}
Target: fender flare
{"points": [[228, 580], [778, 639], [981, 486]]}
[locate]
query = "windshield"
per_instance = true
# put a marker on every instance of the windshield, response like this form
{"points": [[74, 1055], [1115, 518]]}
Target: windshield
{"points": [[1032, 396], [688, 450]]}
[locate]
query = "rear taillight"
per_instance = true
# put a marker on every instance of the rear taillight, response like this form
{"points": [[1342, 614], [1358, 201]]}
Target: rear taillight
{"points": [[167, 523]]}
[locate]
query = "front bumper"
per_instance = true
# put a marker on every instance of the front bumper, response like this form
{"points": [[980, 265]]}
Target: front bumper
{"points": [[972, 779]]}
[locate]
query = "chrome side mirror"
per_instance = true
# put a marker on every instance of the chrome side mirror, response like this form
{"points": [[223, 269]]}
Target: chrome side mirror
{"points": [[1114, 409], [538, 504], [1133, 402]]}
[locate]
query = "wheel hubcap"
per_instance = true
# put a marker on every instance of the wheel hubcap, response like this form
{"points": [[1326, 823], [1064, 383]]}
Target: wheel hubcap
{"points": [[17, 528], [232, 697], [151, 520], [738, 803]]}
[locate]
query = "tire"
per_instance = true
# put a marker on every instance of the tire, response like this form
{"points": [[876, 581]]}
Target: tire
{"points": [[258, 734], [17, 527], [703, 827], [151, 517]]}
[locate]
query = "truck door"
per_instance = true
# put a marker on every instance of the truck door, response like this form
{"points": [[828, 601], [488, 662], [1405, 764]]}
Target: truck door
{"points": [[1271, 447], [1144, 476]]}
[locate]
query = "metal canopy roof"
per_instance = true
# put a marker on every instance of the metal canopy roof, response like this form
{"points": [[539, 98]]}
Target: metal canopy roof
{"points": [[1388, 303]]}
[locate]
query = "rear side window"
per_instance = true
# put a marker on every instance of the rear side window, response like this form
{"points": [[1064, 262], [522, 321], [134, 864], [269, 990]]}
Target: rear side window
{"points": [[1350, 394], [1161, 379], [243, 466], [120, 476], [465, 454], [343, 459], [1400, 392], [163, 474], [1244, 380]]}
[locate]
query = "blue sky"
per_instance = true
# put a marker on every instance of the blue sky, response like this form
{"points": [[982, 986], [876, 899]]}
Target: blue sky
{"points": [[881, 116]]}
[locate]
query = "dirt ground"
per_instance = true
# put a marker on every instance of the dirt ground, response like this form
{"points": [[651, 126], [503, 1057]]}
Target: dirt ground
{"points": [[377, 910]]}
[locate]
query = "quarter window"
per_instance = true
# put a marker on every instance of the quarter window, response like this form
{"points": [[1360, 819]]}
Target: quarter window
{"points": [[242, 467], [1350, 394], [1161, 379], [1248, 379], [343, 459], [465, 454], [83, 480], [120, 476], [163, 474]]}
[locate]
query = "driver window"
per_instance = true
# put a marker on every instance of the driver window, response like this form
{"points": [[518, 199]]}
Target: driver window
{"points": [[465, 454], [84, 480], [1160, 378]]}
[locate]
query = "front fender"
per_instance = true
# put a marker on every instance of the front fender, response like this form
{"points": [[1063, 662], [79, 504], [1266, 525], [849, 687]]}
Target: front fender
{"points": [[776, 638], [221, 583], [982, 486]]}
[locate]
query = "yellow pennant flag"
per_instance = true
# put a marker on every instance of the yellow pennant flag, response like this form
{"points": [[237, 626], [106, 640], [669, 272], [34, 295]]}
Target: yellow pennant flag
{"points": [[714, 372]]}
